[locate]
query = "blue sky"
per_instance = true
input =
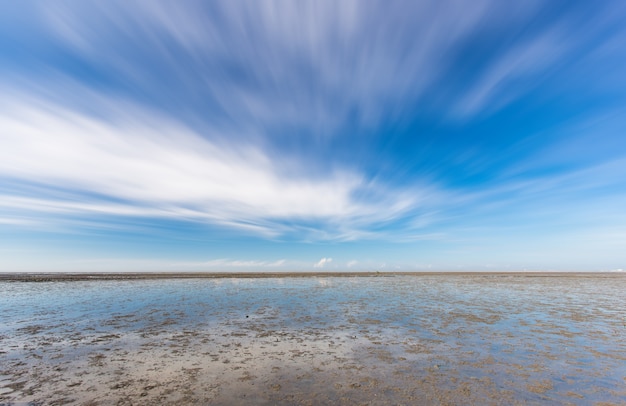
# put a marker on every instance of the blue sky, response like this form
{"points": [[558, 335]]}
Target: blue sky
{"points": [[321, 135]]}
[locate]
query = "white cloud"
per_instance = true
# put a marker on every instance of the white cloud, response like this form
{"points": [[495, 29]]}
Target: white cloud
{"points": [[322, 262], [352, 263], [140, 164], [170, 165]]}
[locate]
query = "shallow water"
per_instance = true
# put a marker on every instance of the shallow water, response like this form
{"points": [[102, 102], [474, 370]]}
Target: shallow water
{"points": [[488, 339]]}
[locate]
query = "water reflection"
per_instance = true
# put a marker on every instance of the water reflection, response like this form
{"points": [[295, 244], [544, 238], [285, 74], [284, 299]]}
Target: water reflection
{"points": [[546, 339]]}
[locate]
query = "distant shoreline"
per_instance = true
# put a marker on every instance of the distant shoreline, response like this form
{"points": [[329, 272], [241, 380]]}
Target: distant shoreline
{"points": [[80, 276]]}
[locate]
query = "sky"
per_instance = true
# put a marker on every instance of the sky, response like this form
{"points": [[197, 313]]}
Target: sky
{"points": [[312, 135]]}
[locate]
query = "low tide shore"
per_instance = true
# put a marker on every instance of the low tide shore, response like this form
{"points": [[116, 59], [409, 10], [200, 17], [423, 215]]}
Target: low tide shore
{"points": [[317, 338]]}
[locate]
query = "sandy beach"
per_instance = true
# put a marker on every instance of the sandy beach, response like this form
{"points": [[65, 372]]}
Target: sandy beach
{"points": [[319, 339]]}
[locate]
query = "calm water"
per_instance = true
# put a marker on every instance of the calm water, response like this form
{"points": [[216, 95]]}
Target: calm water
{"points": [[492, 338]]}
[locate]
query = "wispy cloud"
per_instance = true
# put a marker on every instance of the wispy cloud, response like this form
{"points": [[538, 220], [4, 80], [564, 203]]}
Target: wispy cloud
{"points": [[150, 264], [428, 124], [127, 168], [322, 262], [17, 221], [497, 85], [225, 263], [363, 61]]}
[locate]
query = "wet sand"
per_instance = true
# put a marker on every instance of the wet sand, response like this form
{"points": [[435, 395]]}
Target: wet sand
{"points": [[318, 339]]}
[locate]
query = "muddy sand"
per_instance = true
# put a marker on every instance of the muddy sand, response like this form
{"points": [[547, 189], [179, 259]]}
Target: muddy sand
{"points": [[454, 339]]}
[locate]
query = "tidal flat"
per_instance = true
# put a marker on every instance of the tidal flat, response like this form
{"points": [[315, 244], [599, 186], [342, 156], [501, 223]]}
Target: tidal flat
{"points": [[370, 339]]}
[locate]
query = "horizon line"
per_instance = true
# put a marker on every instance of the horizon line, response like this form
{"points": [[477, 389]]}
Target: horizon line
{"points": [[83, 276]]}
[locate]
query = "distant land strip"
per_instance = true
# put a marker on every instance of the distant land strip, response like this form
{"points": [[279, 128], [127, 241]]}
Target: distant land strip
{"points": [[80, 276]]}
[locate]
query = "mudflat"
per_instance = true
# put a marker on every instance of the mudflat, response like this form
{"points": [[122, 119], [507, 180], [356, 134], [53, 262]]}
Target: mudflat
{"points": [[325, 338]]}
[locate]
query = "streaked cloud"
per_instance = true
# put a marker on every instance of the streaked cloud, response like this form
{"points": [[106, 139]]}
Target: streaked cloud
{"points": [[496, 86], [126, 167], [422, 131]]}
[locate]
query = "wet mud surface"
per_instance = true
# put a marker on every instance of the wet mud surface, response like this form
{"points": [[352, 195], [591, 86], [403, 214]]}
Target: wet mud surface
{"points": [[458, 340]]}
